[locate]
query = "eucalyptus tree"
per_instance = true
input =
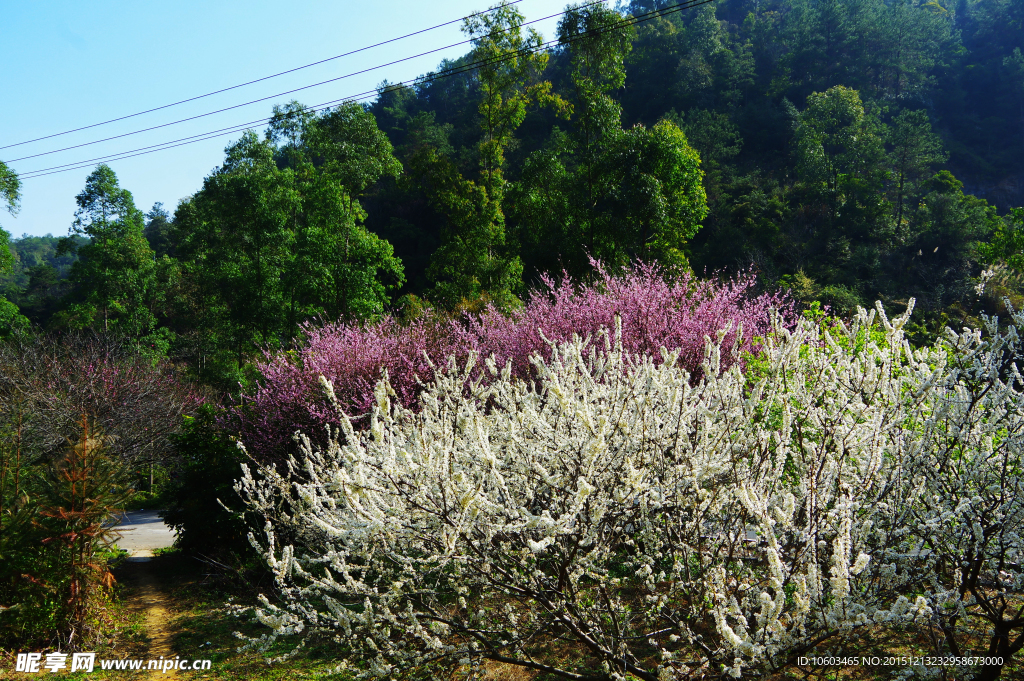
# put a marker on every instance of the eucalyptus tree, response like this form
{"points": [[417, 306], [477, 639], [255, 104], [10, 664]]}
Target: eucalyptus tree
{"points": [[10, 189], [113, 279], [597, 47], [10, 194], [475, 259], [341, 270], [275, 236], [598, 190], [236, 244]]}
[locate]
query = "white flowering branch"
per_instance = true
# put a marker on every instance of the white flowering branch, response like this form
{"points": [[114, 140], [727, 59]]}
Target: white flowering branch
{"points": [[652, 527]]}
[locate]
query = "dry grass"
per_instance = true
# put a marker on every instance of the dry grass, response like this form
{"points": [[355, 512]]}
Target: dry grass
{"points": [[200, 626], [502, 671]]}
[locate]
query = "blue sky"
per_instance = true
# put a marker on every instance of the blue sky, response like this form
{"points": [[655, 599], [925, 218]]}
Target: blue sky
{"points": [[69, 64]]}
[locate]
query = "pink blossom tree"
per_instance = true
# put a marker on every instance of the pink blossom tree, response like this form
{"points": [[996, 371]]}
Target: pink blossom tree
{"points": [[656, 311]]}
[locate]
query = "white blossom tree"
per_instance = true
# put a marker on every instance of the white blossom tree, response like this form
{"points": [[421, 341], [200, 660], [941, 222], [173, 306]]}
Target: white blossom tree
{"points": [[615, 520], [968, 503]]}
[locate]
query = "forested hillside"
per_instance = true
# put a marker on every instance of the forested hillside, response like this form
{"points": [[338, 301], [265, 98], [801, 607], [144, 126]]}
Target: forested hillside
{"points": [[845, 150], [851, 150]]}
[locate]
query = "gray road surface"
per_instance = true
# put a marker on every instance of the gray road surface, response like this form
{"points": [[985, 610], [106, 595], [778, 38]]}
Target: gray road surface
{"points": [[143, 531]]}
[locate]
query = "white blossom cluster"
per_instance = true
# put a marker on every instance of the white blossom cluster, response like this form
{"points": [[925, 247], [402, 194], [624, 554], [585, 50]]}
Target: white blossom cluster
{"points": [[615, 515]]}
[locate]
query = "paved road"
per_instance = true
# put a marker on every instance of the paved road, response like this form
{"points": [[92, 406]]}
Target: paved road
{"points": [[143, 531]]}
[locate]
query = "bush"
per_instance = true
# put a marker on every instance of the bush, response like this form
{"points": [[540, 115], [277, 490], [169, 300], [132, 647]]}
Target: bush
{"points": [[78, 414], [659, 524], [54, 544], [52, 380], [655, 311], [208, 464]]}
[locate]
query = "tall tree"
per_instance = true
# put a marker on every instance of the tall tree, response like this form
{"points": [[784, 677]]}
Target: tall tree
{"points": [[341, 271], [598, 191], [915, 151], [113, 278], [598, 46], [912, 37], [275, 236], [656, 195], [1014, 65], [562, 198], [839, 149], [947, 227], [468, 265], [158, 230], [235, 241], [10, 194], [475, 259], [1007, 244]]}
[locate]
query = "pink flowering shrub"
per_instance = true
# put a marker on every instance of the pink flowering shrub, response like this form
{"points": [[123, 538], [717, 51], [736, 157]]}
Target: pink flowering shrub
{"points": [[656, 312]]}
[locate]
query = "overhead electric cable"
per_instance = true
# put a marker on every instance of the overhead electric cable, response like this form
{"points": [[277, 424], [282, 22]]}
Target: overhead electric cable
{"points": [[632, 21], [258, 80], [365, 95], [274, 96]]}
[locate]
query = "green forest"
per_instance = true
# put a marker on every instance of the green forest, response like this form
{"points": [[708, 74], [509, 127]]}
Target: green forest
{"points": [[722, 195], [846, 151]]}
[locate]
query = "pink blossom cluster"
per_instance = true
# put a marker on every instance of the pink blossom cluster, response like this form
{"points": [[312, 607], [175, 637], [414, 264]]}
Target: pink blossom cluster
{"points": [[656, 311]]}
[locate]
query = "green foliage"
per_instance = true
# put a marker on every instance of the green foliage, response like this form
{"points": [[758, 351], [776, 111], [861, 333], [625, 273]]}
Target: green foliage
{"points": [[151, 484], [113, 282], [915, 150], [10, 317], [474, 260], [55, 535], [209, 464], [657, 198], [1007, 241], [342, 271], [839, 149], [10, 192], [158, 230], [39, 279], [600, 191], [275, 236], [7, 257], [713, 135], [950, 226]]}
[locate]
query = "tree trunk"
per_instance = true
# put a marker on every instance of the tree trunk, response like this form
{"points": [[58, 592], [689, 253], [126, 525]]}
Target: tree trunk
{"points": [[998, 647]]}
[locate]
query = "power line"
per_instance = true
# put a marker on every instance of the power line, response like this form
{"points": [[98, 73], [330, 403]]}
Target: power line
{"points": [[141, 151], [210, 134], [274, 96], [258, 80], [235, 106], [364, 95]]}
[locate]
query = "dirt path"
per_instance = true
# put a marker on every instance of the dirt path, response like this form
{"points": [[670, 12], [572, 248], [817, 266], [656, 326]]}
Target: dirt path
{"points": [[150, 598], [141, 533]]}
